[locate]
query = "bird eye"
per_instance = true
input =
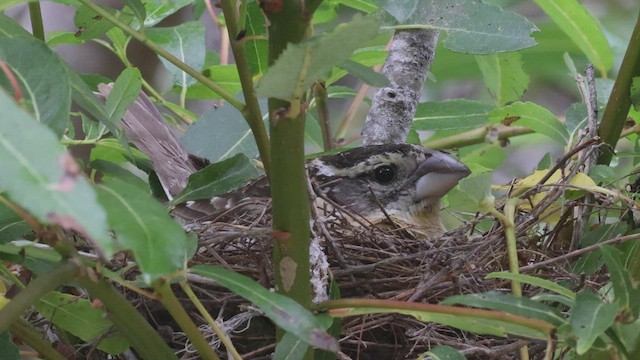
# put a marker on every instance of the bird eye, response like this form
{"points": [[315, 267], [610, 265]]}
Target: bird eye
{"points": [[384, 174]]}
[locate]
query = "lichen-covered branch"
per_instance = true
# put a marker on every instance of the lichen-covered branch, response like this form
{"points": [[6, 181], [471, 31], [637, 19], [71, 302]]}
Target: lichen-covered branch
{"points": [[393, 107]]}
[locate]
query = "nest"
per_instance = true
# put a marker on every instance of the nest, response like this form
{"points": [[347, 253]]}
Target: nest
{"points": [[367, 262]]}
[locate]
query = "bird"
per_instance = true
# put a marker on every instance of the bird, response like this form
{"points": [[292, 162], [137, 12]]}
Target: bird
{"points": [[389, 186]]}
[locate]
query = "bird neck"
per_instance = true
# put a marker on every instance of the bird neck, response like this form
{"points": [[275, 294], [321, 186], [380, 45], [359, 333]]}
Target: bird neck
{"points": [[426, 216]]}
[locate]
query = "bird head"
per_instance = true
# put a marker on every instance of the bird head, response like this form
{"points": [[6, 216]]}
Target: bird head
{"points": [[407, 181]]}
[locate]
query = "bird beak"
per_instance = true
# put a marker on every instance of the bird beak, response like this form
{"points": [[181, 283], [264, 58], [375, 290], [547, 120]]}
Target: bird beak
{"points": [[438, 174]]}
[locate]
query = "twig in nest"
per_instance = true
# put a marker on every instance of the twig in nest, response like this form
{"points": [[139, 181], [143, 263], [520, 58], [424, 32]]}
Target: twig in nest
{"points": [[614, 241]]}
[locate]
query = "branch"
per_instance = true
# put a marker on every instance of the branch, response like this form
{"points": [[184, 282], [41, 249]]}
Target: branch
{"points": [[615, 114], [477, 136], [393, 107]]}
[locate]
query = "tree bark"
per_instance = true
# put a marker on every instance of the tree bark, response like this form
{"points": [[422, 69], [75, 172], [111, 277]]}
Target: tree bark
{"points": [[410, 56]]}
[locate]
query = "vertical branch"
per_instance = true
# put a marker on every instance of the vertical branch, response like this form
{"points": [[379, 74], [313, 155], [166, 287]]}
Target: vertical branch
{"points": [[587, 156], [393, 107], [289, 21], [615, 114], [320, 95], [251, 112]]}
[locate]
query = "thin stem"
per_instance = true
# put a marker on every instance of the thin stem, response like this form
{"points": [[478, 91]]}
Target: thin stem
{"points": [[211, 321], [320, 97], [35, 14], [171, 303], [31, 294], [615, 114], [508, 223], [477, 136], [512, 248], [167, 55], [128, 320], [29, 335], [251, 112]]}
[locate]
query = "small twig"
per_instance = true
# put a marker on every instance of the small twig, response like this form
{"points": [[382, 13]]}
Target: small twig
{"points": [[586, 156], [614, 241], [224, 338], [320, 96], [477, 136]]}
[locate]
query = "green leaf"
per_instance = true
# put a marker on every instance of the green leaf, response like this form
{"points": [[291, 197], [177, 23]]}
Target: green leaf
{"points": [[93, 80], [401, 10], [290, 347], [370, 56], [471, 192], [124, 92], [442, 352], [602, 174], [137, 7], [489, 156], [472, 26], [224, 75], [158, 10], [531, 116], [635, 93], [590, 317], [92, 130], [504, 77], [364, 73], [283, 311], [90, 24], [8, 349], [186, 42], [111, 170], [256, 46], [366, 6], [545, 162], [37, 259], [43, 79], [576, 117], [340, 92], [143, 226], [218, 178], [83, 96], [112, 151], [478, 321], [11, 225], [451, 115], [40, 176], [219, 134], [510, 303], [536, 281], [582, 28], [77, 316], [55, 38], [300, 65], [592, 262], [324, 13], [313, 133], [627, 293]]}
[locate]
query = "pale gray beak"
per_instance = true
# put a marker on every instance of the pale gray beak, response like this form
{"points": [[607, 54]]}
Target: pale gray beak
{"points": [[439, 174]]}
